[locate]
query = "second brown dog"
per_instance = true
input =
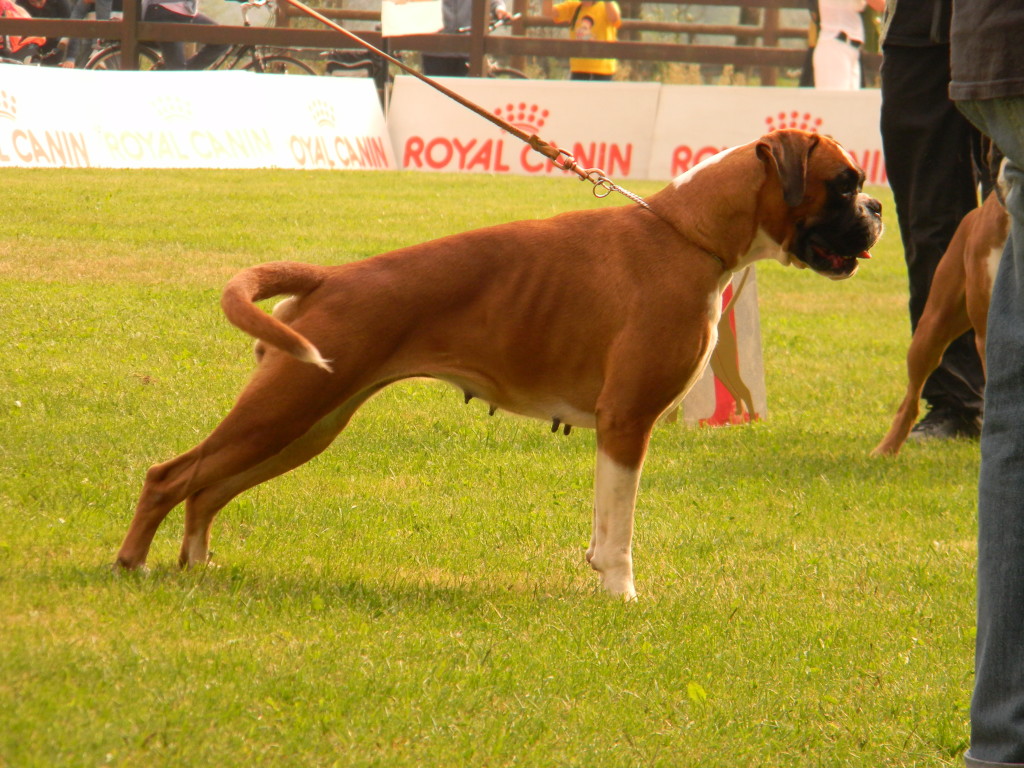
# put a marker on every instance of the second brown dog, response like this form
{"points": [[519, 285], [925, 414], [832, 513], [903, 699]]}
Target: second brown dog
{"points": [[958, 301]]}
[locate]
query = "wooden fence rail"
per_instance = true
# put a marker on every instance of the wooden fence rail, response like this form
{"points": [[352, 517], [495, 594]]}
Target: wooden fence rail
{"points": [[759, 42]]}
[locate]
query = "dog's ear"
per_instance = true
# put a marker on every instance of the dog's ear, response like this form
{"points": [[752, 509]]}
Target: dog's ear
{"points": [[786, 154]]}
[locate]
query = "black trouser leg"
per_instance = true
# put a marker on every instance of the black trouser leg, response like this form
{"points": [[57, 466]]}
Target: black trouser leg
{"points": [[445, 66], [928, 153]]}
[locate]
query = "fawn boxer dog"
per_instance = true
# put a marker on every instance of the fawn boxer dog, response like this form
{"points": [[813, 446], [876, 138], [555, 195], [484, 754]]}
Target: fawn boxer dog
{"points": [[957, 301], [599, 319]]}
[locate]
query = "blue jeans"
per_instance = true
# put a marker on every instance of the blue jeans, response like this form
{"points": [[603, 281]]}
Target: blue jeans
{"points": [[997, 707], [174, 53], [79, 49]]}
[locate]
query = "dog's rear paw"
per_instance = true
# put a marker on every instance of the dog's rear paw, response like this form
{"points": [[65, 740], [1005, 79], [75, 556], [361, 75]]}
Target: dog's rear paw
{"points": [[120, 565], [884, 449]]}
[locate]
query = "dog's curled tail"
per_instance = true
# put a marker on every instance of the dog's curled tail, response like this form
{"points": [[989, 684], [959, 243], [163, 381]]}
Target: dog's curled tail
{"points": [[261, 282]]}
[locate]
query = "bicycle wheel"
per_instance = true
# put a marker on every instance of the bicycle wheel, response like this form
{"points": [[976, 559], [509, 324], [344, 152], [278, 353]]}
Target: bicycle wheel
{"points": [[508, 72], [279, 65], [110, 58]]}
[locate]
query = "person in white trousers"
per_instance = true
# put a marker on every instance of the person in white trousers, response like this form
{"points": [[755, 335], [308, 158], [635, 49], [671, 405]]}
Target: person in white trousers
{"points": [[840, 40]]}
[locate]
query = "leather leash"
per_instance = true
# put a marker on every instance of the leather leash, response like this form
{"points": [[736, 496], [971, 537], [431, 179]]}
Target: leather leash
{"points": [[602, 185]]}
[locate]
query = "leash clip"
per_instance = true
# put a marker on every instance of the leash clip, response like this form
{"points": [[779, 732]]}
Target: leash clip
{"points": [[601, 183], [564, 161], [603, 186]]}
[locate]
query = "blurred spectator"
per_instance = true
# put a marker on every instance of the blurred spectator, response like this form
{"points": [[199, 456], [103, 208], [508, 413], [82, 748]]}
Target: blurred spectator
{"points": [[50, 50], [182, 12], [458, 15], [18, 47], [839, 43], [588, 21], [79, 49]]}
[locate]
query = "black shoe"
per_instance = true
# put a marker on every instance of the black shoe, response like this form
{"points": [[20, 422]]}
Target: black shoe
{"points": [[943, 423]]}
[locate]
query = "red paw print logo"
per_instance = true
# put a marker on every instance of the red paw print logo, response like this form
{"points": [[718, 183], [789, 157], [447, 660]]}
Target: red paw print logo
{"points": [[526, 117], [8, 106], [805, 121], [322, 113]]}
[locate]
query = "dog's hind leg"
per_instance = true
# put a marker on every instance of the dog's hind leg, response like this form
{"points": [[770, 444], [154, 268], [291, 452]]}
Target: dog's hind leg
{"points": [[203, 506], [941, 323], [152, 508], [943, 319], [280, 405], [172, 482]]}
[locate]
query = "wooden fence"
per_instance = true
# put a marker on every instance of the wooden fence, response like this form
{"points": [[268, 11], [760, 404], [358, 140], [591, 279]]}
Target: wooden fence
{"points": [[758, 40]]}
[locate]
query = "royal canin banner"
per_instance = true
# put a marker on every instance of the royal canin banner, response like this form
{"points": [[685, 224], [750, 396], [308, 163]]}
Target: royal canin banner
{"points": [[628, 130], [69, 118], [227, 119], [608, 127]]}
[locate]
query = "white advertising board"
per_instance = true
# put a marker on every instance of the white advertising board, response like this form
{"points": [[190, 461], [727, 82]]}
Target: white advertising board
{"points": [[226, 119], [629, 130], [604, 125]]}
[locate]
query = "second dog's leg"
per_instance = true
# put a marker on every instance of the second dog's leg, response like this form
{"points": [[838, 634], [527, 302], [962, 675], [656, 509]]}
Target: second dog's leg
{"points": [[934, 333]]}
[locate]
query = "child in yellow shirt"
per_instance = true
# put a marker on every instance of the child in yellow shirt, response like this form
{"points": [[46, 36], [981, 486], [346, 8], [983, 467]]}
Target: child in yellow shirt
{"points": [[597, 21]]}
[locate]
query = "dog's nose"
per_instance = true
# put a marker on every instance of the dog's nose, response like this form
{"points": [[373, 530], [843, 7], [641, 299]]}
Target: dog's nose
{"points": [[874, 206]]}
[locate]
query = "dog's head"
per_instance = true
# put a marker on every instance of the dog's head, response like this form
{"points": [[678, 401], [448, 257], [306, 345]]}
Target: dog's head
{"points": [[832, 223]]}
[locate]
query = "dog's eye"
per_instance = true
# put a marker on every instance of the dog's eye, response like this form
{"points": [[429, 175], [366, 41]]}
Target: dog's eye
{"points": [[847, 185]]}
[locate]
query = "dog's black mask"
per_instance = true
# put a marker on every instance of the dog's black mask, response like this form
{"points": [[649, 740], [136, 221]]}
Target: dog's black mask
{"points": [[844, 230]]}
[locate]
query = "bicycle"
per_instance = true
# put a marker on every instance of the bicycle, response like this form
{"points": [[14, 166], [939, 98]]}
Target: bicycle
{"points": [[28, 58], [251, 58], [364, 63], [491, 67], [359, 63]]}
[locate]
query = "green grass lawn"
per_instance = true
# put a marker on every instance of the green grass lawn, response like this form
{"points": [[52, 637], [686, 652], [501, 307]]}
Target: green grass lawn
{"points": [[418, 594]]}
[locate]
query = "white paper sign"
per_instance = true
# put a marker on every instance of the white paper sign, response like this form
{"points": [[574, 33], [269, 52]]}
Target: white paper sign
{"points": [[732, 388], [410, 17]]}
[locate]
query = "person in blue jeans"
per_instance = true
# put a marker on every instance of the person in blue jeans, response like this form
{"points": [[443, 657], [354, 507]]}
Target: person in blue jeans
{"points": [[182, 12], [457, 15], [79, 50], [988, 86]]}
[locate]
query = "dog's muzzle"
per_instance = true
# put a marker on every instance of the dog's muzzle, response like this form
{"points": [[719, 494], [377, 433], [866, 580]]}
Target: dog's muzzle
{"points": [[834, 244]]}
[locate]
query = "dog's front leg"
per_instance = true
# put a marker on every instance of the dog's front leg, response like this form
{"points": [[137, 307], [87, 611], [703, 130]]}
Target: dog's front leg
{"points": [[616, 479]]}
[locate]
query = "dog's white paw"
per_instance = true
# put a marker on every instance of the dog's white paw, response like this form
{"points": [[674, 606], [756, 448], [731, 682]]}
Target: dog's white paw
{"points": [[618, 582]]}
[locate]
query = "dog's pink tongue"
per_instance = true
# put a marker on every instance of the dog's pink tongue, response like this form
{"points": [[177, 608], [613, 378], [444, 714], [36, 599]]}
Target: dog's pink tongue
{"points": [[864, 255]]}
